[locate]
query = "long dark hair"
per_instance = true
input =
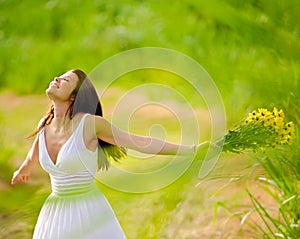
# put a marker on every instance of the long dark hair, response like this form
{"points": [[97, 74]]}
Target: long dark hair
{"points": [[86, 100]]}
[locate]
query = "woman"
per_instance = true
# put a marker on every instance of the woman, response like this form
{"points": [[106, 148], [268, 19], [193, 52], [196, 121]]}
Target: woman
{"points": [[70, 143]]}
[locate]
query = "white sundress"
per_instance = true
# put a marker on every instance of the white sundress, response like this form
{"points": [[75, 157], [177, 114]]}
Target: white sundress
{"points": [[76, 208]]}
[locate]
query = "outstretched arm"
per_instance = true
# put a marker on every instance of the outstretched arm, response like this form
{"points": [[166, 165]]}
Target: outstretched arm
{"points": [[145, 144], [23, 173]]}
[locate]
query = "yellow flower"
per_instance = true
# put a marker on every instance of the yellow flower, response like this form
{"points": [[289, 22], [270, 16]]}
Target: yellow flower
{"points": [[261, 129], [277, 113], [290, 127], [269, 121], [251, 117], [264, 113], [278, 124], [284, 141]]}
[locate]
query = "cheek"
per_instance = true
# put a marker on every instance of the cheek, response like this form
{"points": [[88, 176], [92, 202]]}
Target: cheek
{"points": [[68, 89], [65, 94]]}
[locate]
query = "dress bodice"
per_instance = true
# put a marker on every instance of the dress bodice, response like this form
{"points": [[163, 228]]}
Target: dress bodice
{"points": [[75, 166]]}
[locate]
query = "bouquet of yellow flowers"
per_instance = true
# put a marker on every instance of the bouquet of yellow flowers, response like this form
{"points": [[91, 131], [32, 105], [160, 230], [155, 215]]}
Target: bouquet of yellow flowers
{"points": [[260, 130]]}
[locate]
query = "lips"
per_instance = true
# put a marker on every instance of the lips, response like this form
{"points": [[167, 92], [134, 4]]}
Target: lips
{"points": [[53, 83]]}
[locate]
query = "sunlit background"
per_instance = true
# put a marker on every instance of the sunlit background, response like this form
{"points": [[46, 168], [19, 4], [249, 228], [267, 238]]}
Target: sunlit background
{"points": [[251, 49]]}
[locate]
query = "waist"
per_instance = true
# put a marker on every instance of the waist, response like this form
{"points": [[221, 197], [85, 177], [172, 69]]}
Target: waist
{"points": [[71, 184]]}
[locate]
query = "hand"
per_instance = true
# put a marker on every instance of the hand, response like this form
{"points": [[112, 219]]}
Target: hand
{"points": [[19, 177], [197, 146]]}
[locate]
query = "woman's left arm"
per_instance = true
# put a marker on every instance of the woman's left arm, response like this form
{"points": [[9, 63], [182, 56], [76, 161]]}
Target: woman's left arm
{"points": [[145, 144]]}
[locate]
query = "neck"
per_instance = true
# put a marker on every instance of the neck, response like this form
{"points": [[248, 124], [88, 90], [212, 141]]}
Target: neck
{"points": [[60, 115]]}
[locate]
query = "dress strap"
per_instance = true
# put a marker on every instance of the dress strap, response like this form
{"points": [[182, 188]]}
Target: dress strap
{"points": [[81, 123], [79, 129]]}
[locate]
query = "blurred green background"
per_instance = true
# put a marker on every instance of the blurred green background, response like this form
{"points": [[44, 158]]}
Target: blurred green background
{"points": [[250, 48]]}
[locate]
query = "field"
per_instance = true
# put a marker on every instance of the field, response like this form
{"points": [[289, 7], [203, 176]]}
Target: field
{"points": [[184, 209], [249, 49]]}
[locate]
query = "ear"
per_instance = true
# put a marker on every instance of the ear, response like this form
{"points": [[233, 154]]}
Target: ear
{"points": [[72, 98]]}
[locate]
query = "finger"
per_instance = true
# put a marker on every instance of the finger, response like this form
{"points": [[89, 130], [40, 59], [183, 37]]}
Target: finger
{"points": [[27, 178], [14, 180]]}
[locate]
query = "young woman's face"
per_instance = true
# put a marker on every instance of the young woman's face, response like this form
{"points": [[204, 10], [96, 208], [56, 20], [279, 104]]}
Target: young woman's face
{"points": [[62, 87]]}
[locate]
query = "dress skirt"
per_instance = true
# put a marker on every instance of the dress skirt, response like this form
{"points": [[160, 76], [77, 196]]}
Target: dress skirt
{"points": [[86, 215]]}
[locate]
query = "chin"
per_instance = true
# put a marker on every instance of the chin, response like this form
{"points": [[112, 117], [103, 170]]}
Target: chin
{"points": [[50, 93]]}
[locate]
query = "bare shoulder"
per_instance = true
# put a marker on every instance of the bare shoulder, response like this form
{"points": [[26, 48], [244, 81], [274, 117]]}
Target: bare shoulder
{"points": [[95, 118], [90, 118], [89, 124], [78, 117], [98, 123]]}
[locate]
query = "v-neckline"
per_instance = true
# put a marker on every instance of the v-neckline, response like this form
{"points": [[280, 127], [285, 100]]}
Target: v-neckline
{"points": [[61, 148]]}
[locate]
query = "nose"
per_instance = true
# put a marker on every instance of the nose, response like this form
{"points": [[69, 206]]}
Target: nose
{"points": [[57, 79]]}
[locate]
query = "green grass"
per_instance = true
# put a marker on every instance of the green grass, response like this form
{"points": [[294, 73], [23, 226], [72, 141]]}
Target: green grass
{"points": [[250, 48], [282, 183]]}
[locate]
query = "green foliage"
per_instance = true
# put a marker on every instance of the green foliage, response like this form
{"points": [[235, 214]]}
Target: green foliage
{"points": [[281, 181], [251, 49], [6, 167], [282, 169], [283, 174]]}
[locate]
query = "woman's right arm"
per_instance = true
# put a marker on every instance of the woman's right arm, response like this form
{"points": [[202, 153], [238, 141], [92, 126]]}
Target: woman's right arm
{"points": [[32, 158]]}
